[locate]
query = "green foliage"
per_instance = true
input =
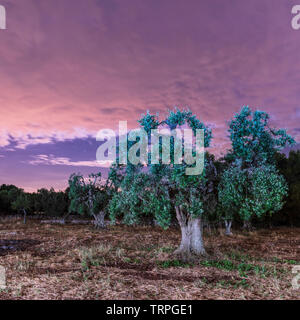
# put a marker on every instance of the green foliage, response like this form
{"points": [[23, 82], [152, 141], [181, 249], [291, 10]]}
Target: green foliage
{"points": [[22, 202], [243, 268], [252, 186], [156, 190], [174, 263], [5, 203], [251, 191], [290, 168], [149, 122], [179, 118], [139, 198], [51, 202], [48, 202], [88, 195], [8, 194], [253, 140]]}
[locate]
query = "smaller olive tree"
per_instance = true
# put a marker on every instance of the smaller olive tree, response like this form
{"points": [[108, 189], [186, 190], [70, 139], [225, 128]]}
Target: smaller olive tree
{"points": [[89, 195], [249, 192], [252, 185]]}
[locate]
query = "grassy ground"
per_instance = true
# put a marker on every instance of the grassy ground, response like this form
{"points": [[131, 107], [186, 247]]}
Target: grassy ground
{"points": [[78, 262]]}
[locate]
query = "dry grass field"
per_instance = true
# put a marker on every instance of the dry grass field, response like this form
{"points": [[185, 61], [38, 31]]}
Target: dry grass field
{"points": [[46, 261]]}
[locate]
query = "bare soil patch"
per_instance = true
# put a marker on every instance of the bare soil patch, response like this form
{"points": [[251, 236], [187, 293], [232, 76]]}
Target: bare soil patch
{"points": [[7, 246]]}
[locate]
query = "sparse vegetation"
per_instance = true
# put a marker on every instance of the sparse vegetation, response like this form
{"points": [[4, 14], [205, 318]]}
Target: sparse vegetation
{"points": [[67, 262]]}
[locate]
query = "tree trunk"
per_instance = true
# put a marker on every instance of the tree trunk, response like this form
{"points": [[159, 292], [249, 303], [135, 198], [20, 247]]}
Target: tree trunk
{"points": [[191, 236], [65, 217], [228, 224], [247, 225], [99, 220], [25, 214]]}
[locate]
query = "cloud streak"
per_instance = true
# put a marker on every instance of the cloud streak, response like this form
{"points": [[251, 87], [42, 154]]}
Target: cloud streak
{"points": [[43, 159]]}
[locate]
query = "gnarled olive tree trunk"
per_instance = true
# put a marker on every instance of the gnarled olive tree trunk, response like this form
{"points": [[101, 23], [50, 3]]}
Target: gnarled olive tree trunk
{"points": [[228, 224], [99, 220], [191, 236]]}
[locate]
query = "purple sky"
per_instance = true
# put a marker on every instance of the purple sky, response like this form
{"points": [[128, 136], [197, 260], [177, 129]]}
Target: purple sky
{"points": [[69, 68]]}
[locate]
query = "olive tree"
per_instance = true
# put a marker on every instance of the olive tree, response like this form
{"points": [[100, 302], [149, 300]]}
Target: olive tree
{"points": [[165, 190], [89, 195], [254, 191], [252, 185]]}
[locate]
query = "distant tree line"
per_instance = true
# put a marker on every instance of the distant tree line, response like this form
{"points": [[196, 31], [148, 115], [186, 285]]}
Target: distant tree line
{"points": [[14, 200]]}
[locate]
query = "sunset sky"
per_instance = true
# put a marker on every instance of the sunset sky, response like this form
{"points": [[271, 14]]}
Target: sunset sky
{"points": [[69, 68]]}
